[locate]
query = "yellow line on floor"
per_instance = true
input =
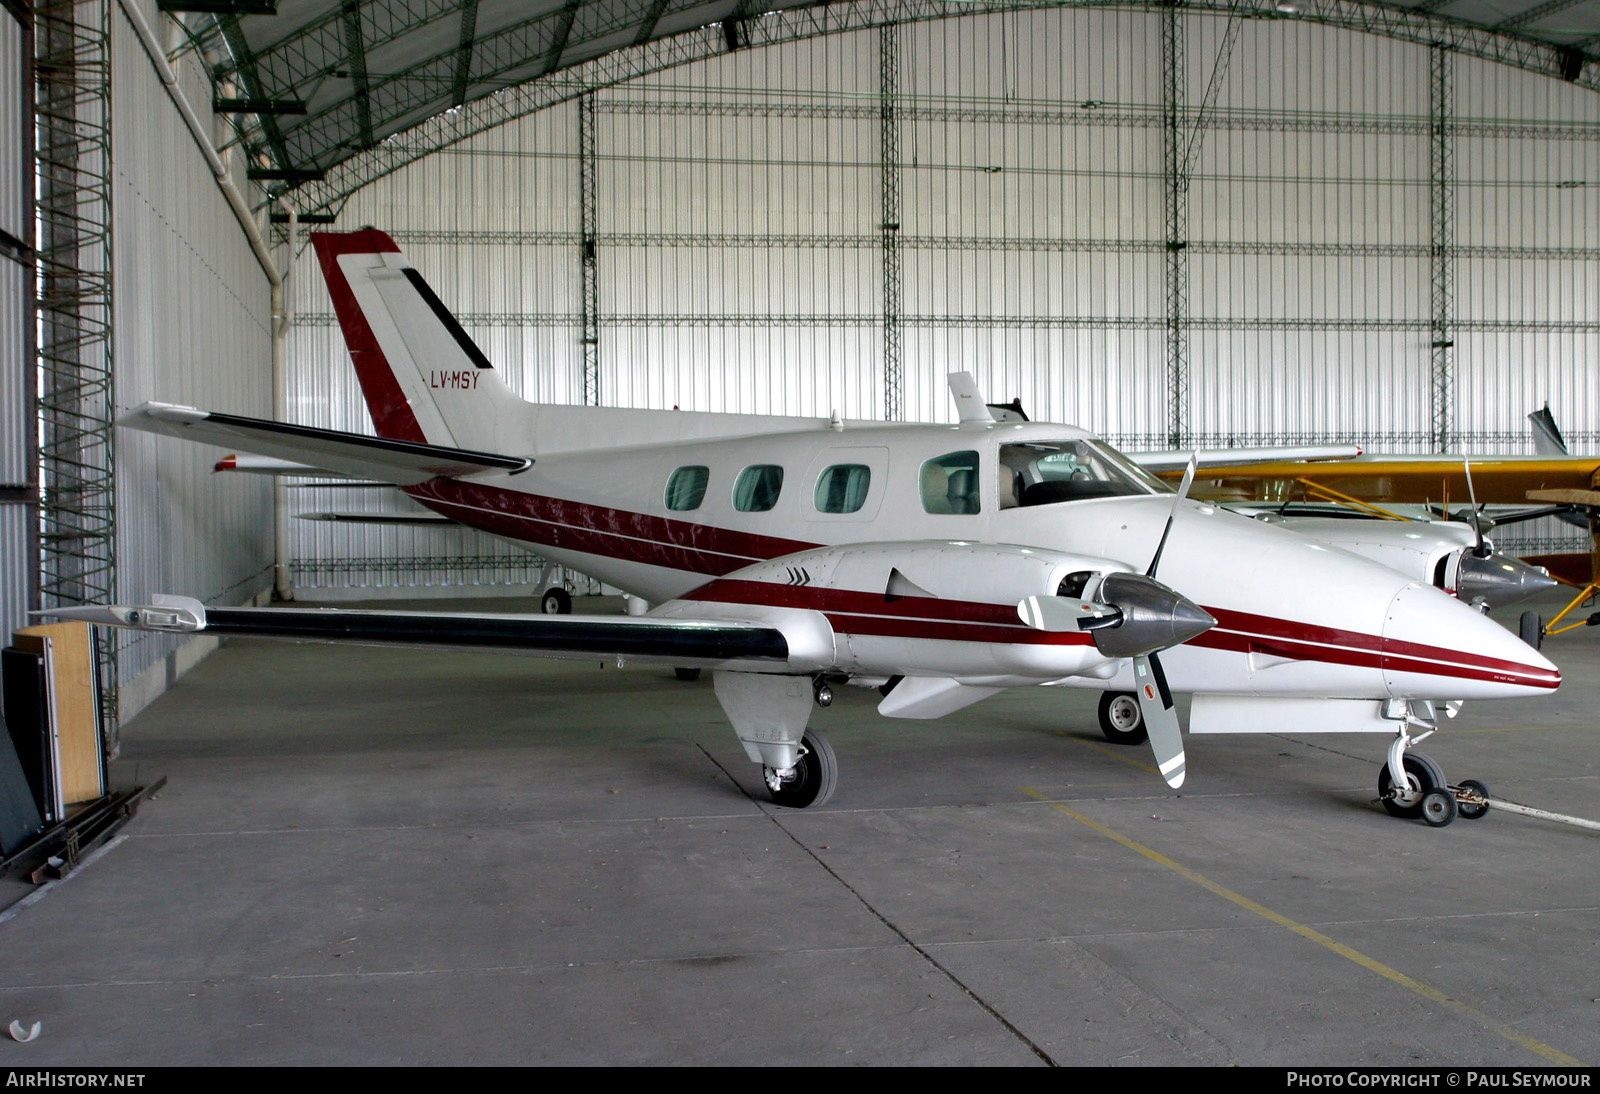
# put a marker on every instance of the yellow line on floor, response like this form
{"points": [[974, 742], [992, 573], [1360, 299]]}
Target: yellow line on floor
{"points": [[1538, 1048], [1116, 752]]}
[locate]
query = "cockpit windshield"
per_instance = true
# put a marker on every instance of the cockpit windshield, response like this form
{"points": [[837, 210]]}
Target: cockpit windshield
{"points": [[1042, 472]]}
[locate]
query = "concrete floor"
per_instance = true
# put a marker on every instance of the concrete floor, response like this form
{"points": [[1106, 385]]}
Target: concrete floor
{"points": [[374, 856]]}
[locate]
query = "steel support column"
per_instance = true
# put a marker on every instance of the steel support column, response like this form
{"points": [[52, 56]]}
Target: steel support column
{"points": [[72, 120], [1175, 147], [1441, 167], [894, 404], [590, 256]]}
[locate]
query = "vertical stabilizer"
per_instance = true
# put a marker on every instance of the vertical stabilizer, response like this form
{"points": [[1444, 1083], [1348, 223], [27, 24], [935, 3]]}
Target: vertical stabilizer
{"points": [[423, 378], [1547, 438]]}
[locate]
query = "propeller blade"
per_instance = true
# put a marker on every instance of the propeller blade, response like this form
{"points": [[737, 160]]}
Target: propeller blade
{"points": [[1160, 718], [1183, 492], [1482, 549]]}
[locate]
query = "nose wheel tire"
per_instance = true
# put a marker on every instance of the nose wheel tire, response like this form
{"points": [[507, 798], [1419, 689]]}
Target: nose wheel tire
{"points": [[1530, 628], [1120, 718], [1422, 777], [812, 779]]}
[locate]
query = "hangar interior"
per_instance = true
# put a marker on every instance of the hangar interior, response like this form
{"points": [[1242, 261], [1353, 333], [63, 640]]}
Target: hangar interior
{"points": [[1202, 224], [1205, 225]]}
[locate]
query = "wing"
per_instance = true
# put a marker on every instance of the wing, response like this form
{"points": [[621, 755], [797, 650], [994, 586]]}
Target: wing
{"points": [[668, 641], [403, 463], [1504, 480], [1232, 458]]}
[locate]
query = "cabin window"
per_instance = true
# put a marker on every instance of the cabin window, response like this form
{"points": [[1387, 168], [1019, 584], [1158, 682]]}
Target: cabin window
{"points": [[1043, 472], [950, 483], [757, 488], [687, 488], [842, 488]]}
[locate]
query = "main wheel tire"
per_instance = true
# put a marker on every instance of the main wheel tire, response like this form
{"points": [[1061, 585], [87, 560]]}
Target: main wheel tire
{"points": [[1422, 775], [1530, 628], [556, 601], [1473, 810], [686, 674], [1121, 720], [813, 779], [1439, 807]]}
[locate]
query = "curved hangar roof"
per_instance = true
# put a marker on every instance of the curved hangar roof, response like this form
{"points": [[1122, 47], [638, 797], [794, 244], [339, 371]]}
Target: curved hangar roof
{"points": [[314, 83]]}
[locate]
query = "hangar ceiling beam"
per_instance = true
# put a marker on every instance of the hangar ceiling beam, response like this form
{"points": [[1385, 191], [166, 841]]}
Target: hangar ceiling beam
{"points": [[561, 36], [356, 52], [504, 56], [469, 32], [652, 16], [250, 76], [1534, 14]]}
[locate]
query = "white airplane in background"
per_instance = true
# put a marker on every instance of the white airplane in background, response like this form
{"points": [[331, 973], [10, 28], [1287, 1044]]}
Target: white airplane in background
{"points": [[937, 563]]}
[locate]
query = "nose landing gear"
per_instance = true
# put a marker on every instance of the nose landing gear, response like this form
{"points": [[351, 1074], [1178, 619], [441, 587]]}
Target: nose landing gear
{"points": [[1411, 786]]}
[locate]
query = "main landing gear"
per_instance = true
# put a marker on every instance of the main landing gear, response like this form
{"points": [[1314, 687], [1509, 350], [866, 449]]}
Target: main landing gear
{"points": [[1120, 718], [1411, 786], [769, 713], [811, 780]]}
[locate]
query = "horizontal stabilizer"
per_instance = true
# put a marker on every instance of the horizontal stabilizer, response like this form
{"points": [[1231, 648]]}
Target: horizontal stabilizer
{"points": [[403, 463], [266, 465], [412, 519], [668, 641]]}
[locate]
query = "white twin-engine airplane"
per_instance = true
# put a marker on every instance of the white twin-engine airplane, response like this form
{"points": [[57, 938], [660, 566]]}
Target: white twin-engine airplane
{"points": [[937, 563]]}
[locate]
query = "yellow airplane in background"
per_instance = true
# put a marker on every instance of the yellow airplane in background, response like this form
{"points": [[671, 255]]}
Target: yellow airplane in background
{"points": [[1558, 483]]}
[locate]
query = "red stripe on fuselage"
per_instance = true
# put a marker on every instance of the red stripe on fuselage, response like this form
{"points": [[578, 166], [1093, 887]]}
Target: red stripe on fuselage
{"points": [[391, 413], [601, 530], [702, 549], [1289, 638]]}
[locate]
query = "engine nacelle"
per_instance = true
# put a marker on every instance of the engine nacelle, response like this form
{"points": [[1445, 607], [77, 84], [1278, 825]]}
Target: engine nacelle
{"points": [[1437, 553], [947, 607]]}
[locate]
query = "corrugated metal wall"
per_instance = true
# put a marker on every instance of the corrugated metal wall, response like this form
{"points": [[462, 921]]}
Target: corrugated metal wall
{"points": [[193, 323], [739, 219], [17, 514], [494, 228]]}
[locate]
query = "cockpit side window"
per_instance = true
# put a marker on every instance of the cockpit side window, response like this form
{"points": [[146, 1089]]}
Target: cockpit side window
{"points": [[950, 484], [686, 489], [758, 488], [1042, 472]]}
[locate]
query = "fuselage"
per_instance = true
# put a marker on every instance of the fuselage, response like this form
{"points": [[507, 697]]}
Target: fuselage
{"points": [[720, 525]]}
